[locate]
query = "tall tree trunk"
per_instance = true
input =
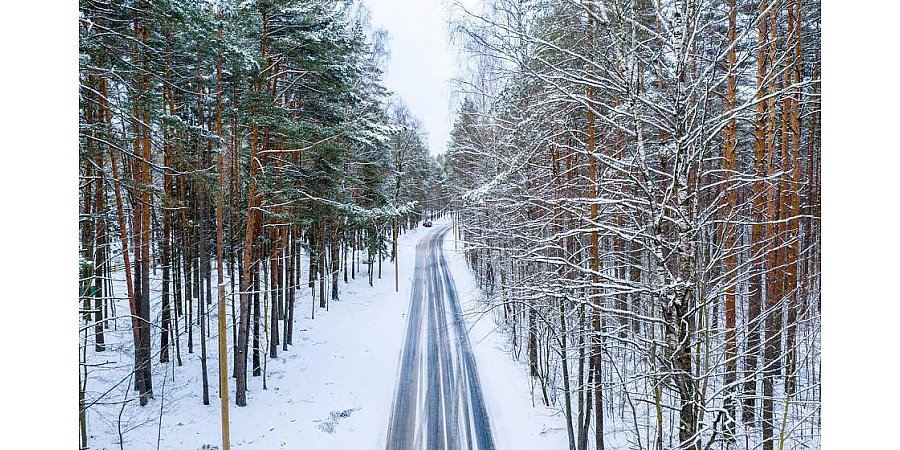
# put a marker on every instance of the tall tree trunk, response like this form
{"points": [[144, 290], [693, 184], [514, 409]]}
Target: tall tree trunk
{"points": [[100, 260], [729, 238], [320, 263], [273, 317], [257, 368], [757, 231], [774, 272], [129, 283], [254, 219], [335, 255], [220, 254], [291, 288]]}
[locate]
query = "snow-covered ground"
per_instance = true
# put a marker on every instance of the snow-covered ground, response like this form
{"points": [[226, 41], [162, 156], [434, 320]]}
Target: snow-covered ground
{"points": [[331, 390]]}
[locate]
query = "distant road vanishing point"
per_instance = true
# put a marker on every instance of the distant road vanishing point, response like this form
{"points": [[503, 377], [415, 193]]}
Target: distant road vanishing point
{"points": [[438, 403]]}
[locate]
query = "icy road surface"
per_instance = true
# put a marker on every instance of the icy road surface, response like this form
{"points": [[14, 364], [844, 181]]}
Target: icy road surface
{"points": [[438, 402]]}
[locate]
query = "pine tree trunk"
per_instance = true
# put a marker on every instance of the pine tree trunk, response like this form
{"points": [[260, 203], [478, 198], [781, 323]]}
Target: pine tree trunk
{"points": [[220, 253], [335, 256], [729, 233], [100, 260], [273, 319], [203, 273], [320, 262], [757, 232], [773, 322], [291, 289]]}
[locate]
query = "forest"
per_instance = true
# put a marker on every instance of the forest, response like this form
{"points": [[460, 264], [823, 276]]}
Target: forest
{"points": [[235, 136], [640, 196], [635, 186]]}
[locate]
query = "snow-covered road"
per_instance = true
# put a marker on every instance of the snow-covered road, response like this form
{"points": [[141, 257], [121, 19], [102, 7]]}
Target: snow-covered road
{"points": [[438, 401]]}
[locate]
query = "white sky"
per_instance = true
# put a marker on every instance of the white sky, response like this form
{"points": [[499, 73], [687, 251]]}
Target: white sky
{"points": [[421, 63]]}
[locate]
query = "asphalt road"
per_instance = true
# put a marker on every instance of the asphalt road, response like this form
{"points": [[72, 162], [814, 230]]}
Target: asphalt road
{"points": [[438, 402]]}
